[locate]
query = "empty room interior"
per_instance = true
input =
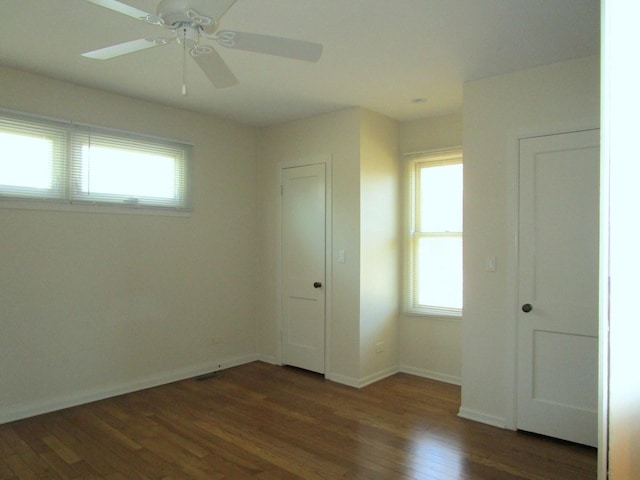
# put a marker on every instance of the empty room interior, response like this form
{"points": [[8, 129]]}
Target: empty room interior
{"points": [[272, 271]]}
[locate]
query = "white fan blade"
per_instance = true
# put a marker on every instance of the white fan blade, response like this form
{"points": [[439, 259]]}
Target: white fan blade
{"points": [[216, 69], [126, 47], [282, 47], [125, 9]]}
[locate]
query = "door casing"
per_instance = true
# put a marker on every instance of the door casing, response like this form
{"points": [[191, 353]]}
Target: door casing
{"points": [[512, 305], [325, 159], [562, 323]]}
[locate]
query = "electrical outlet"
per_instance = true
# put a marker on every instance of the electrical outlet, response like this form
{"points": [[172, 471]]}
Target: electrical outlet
{"points": [[379, 347]]}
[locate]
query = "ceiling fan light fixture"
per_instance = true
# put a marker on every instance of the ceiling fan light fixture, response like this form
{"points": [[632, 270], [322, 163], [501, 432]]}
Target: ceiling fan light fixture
{"points": [[175, 13], [187, 36], [187, 25]]}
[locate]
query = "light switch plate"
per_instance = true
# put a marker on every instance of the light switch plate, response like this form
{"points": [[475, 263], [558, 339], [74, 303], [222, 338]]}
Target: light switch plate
{"points": [[491, 264]]}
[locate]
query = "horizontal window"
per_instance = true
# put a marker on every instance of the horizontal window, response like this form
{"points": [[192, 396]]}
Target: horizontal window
{"points": [[57, 161]]}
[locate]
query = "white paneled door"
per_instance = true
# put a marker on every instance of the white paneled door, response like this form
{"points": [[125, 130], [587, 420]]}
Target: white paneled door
{"points": [[303, 266], [558, 286]]}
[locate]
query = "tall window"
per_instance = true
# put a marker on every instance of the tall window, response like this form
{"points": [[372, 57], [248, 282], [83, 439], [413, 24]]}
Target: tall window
{"points": [[58, 161], [434, 239]]}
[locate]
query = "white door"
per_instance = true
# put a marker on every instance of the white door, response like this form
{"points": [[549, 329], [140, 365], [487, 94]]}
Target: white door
{"points": [[558, 286], [303, 267]]}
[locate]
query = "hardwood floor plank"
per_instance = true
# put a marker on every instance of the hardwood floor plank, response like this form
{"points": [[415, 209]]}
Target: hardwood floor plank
{"points": [[87, 447], [21, 467], [228, 459], [61, 450], [262, 422], [58, 465], [103, 453]]}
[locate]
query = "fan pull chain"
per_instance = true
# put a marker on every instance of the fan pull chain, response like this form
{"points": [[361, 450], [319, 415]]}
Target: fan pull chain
{"points": [[184, 62]]}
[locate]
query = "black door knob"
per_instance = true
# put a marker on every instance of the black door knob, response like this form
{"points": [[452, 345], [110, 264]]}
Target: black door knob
{"points": [[317, 285], [526, 308]]}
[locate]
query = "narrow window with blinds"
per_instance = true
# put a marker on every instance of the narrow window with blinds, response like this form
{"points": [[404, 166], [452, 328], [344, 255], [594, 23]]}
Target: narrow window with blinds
{"points": [[434, 234], [58, 161]]}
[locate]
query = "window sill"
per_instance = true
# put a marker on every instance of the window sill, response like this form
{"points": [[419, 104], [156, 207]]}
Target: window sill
{"points": [[87, 208], [439, 316]]}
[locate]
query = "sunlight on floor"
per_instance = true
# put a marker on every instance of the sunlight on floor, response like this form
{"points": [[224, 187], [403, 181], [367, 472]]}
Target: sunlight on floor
{"points": [[428, 455]]}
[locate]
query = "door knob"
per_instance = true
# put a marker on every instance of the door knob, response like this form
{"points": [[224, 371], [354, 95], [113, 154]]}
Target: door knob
{"points": [[526, 308], [317, 284]]}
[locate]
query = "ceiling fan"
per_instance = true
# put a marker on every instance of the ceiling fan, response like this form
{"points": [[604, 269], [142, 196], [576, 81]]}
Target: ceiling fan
{"points": [[189, 21]]}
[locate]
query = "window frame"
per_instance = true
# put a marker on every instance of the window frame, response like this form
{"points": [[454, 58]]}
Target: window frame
{"points": [[73, 139], [412, 161]]}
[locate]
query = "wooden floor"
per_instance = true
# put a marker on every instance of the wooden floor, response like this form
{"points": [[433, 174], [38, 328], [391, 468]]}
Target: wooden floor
{"points": [[260, 421]]}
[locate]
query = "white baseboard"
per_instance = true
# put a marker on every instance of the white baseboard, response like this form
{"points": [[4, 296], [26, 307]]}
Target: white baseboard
{"points": [[482, 417], [421, 372], [271, 359], [376, 377], [18, 412], [363, 381], [343, 379], [21, 411]]}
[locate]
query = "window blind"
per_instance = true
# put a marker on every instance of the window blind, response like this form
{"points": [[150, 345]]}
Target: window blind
{"points": [[32, 159], [49, 160], [127, 170]]}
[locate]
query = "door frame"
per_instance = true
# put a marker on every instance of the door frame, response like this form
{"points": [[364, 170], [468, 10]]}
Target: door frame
{"points": [[325, 159], [512, 269]]}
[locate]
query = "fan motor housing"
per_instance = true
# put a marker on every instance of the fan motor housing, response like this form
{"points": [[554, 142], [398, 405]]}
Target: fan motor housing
{"points": [[187, 36], [174, 12]]}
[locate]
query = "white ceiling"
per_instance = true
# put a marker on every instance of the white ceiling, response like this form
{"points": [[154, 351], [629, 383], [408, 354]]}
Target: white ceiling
{"points": [[378, 54]]}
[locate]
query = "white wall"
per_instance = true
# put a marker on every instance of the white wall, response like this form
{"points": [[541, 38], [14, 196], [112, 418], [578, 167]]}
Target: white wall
{"points": [[430, 346], [431, 133], [497, 111], [621, 102], [379, 245], [93, 304], [364, 294]]}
